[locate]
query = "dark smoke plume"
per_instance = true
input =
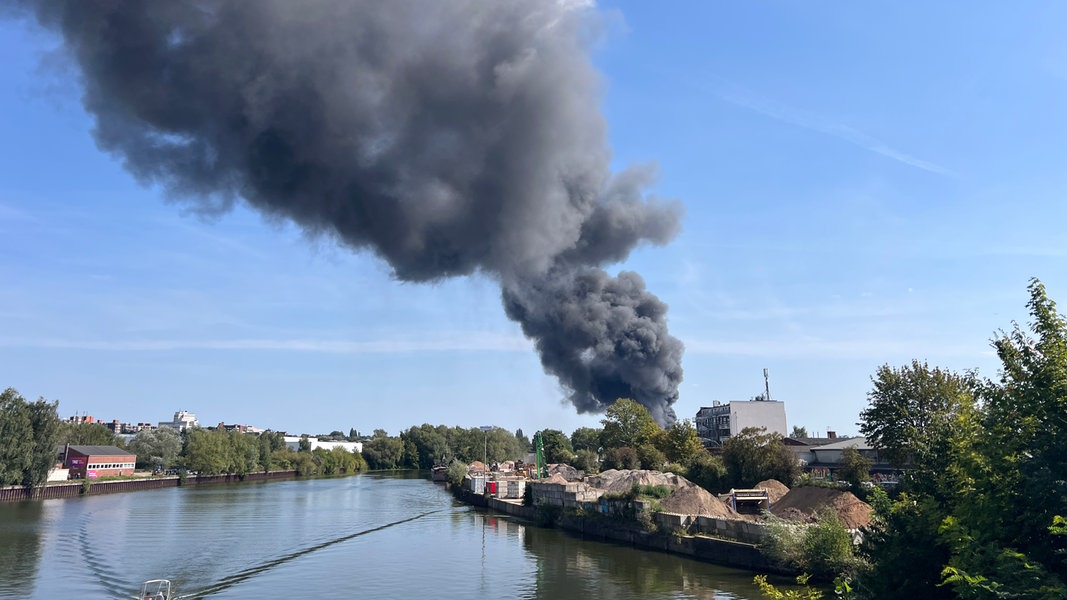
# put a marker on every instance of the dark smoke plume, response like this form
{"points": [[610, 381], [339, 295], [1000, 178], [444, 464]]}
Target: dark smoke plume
{"points": [[448, 138]]}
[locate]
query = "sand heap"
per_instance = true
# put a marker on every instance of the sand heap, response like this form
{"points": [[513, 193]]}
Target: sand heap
{"points": [[555, 478], [566, 471], [775, 489], [687, 498], [803, 503]]}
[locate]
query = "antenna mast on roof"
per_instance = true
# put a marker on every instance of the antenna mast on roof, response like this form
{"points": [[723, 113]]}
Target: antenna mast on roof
{"points": [[766, 385]]}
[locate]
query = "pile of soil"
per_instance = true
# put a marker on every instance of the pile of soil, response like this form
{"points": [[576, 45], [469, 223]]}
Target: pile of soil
{"points": [[695, 500], [555, 478], [687, 498], [566, 471], [803, 503], [775, 489]]}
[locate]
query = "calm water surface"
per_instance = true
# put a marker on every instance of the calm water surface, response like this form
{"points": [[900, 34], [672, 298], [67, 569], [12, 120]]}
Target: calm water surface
{"points": [[369, 536]]}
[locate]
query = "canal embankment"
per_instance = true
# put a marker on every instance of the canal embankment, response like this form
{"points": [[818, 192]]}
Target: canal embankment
{"points": [[697, 537], [88, 487]]}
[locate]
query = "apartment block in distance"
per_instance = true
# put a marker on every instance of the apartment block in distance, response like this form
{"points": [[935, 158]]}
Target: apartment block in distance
{"points": [[718, 422]]}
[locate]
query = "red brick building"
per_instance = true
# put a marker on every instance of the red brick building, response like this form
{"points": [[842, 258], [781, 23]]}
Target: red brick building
{"points": [[98, 461]]}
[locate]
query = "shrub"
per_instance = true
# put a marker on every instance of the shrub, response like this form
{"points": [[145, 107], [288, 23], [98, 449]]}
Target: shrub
{"points": [[456, 471], [587, 460], [823, 549], [651, 457], [655, 491], [708, 472], [621, 458]]}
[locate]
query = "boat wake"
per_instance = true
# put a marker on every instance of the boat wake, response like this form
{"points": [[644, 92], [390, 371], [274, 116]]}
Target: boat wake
{"points": [[251, 572]]}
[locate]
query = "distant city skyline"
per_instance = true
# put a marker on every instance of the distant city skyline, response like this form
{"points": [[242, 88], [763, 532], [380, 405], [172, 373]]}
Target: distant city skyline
{"points": [[862, 185]]}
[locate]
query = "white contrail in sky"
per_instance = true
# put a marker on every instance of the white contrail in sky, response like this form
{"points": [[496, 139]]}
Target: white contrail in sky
{"points": [[745, 99]]}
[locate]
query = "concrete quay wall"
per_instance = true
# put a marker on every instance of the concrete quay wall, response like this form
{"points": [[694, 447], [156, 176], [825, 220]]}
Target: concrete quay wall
{"points": [[77, 488], [728, 552]]}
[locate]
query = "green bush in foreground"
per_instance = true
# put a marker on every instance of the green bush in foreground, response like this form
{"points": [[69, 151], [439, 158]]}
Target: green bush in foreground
{"points": [[823, 549]]}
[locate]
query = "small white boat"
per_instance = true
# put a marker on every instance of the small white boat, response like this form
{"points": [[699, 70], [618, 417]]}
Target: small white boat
{"points": [[156, 589]]}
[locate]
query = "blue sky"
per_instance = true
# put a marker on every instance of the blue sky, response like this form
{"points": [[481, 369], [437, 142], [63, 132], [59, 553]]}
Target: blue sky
{"points": [[863, 184]]}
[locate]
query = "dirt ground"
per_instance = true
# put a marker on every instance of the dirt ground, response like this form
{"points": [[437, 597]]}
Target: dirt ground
{"points": [[802, 503]]}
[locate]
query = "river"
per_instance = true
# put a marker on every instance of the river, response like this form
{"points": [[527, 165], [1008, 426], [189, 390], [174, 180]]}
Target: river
{"points": [[367, 536]]}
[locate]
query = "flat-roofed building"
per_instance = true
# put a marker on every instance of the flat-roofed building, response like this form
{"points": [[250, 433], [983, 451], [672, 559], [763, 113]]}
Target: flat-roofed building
{"points": [[720, 421], [90, 462]]}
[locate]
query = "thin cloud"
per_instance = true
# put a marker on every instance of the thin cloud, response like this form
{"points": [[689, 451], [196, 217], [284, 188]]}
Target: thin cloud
{"points": [[799, 118], [460, 341], [10, 213], [830, 349]]}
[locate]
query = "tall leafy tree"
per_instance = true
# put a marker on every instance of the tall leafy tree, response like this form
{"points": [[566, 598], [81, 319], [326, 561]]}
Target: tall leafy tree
{"points": [[855, 468], [430, 445], [1004, 523], [627, 424], [207, 451], [681, 443], [557, 446], [156, 447], [28, 434], [44, 421], [754, 455], [382, 451], [586, 438]]}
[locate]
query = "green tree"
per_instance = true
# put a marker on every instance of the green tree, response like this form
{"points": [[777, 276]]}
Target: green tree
{"points": [[910, 414], [905, 550], [754, 455], [525, 445], [681, 442], [799, 432], [156, 447], [269, 444], [651, 457], [557, 446], [503, 445], [587, 460], [44, 422], [243, 453], [88, 434], [382, 451], [709, 472], [627, 424], [430, 445], [28, 434], [207, 451], [621, 458], [1014, 467], [304, 445], [855, 468], [586, 438]]}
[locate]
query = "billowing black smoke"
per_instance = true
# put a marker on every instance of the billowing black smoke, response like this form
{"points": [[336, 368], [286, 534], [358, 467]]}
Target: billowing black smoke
{"points": [[447, 137]]}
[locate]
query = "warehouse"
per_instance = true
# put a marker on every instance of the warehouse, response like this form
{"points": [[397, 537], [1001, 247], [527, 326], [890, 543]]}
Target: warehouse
{"points": [[90, 462]]}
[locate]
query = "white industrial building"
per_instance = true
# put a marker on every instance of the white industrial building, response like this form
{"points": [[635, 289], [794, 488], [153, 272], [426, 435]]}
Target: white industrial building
{"points": [[183, 420], [720, 421], [293, 442]]}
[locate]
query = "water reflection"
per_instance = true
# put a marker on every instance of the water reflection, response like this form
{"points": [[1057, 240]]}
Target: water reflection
{"points": [[569, 567], [21, 553]]}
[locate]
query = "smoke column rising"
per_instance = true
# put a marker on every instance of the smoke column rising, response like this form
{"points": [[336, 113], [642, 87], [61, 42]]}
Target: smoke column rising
{"points": [[449, 138]]}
